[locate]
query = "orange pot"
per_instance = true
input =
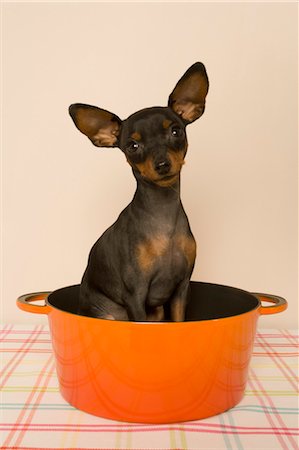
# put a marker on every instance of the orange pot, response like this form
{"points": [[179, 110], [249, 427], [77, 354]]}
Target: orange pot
{"points": [[155, 372]]}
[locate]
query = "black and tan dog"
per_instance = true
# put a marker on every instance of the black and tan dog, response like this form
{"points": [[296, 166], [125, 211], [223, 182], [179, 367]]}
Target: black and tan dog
{"points": [[141, 266]]}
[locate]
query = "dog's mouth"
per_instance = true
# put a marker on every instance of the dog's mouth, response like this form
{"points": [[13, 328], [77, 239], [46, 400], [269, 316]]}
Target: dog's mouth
{"points": [[168, 180], [149, 171]]}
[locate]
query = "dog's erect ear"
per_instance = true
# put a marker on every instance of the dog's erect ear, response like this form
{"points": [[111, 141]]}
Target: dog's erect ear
{"points": [[188, 97], [100, 126]]}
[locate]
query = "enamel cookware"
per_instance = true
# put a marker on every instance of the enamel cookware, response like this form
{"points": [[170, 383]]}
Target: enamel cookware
{"points": [[155, 372]]}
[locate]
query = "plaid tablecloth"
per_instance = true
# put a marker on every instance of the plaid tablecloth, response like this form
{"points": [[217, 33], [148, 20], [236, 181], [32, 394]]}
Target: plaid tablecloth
{"points": [[35, 416]]}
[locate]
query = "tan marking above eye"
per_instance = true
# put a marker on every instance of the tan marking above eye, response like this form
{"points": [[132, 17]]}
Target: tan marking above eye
{"points": [[136, 136], [166, 124]]}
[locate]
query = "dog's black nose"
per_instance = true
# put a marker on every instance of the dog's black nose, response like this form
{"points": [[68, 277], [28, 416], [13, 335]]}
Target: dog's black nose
{"points": [[162, 167]]}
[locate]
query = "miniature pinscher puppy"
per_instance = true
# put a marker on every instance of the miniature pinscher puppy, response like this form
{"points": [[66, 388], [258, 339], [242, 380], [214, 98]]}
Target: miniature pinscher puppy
{"points": [[141, 266]]}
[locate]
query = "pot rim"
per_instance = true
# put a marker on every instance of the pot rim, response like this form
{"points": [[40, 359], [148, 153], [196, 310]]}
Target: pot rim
{"points": [[280, 304]]}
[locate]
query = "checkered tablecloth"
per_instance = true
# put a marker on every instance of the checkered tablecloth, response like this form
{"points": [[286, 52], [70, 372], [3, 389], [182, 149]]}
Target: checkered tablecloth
{"points": [[35, 416]]}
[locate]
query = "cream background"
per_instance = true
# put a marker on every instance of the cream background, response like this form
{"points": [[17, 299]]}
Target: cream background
{"points": [[239, 185]]}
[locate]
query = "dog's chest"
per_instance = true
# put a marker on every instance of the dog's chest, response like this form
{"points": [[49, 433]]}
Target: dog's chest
{"points": [[174, 254]]}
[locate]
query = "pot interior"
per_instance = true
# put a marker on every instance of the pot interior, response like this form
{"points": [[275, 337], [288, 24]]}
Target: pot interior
{"points": [[206, 301]]}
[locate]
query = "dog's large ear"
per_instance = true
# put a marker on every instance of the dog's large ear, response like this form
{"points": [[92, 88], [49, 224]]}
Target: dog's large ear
{"points": [[100, 126], [188, 97]]}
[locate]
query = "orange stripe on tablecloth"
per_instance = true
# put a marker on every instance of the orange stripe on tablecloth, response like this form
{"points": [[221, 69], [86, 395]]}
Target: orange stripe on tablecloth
{"points": [[19, 355], [276, 414], [29, 400]]}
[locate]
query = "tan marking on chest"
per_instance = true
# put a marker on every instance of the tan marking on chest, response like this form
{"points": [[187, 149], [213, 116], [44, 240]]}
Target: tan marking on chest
{"points": [[150, 250], [187, 246]]}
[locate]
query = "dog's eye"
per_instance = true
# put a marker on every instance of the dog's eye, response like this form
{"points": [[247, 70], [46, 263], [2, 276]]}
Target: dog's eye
{"points": [[133, 146], [176, 131]]}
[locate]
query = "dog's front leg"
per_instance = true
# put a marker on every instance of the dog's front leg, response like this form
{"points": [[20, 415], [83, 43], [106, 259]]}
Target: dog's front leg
{"points": [[135, 304], [179, 301]]}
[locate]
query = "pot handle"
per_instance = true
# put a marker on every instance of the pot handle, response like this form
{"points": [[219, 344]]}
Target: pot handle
{"points": [[280, 304], [24, 303]]}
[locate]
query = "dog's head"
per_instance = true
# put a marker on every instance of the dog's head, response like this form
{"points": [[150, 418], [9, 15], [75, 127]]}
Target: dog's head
{"points": [[153, 139]]}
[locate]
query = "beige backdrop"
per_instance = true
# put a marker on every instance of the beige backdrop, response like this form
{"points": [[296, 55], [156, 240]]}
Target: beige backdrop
{"points": [[239, 183]]}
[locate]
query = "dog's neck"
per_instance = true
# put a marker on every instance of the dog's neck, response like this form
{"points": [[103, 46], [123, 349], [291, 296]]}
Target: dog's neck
{"points": [[159, 203]]}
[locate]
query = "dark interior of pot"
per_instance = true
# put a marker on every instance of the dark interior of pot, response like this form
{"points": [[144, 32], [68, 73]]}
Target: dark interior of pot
{"points": [[206, 301]]}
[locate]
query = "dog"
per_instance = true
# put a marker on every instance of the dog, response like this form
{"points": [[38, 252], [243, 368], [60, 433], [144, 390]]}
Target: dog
{"points": [[140, 268]]}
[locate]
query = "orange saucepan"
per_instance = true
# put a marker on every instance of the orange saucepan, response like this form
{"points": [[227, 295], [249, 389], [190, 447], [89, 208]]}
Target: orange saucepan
{"points": [[155, 372]]}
